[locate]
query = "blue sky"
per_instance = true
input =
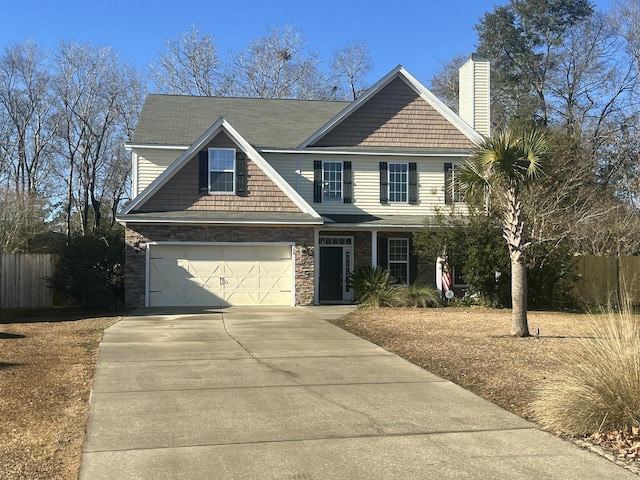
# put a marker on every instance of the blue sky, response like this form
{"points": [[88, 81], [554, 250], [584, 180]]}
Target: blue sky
{"points": [[420, 35]]}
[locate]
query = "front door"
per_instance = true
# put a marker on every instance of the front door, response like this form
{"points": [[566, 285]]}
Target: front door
{"points": [[336, 254], [331, 274]]}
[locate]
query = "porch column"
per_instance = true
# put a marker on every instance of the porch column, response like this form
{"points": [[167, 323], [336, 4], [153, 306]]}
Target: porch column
{"points": [[374, 248]]}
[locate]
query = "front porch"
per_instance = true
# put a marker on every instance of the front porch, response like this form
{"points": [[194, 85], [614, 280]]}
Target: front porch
{"points": [[341, 249]]}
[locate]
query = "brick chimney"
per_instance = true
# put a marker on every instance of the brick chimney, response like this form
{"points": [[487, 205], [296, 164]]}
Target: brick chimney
{"points": [[475, 105]]}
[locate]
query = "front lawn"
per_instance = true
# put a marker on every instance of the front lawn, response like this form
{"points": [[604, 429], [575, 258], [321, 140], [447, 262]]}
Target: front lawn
{"points": [[47, 361]]}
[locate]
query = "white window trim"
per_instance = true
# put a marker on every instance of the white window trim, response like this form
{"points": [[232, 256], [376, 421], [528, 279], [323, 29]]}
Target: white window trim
{"points": [[233, 192], [406, 182], [335, 200], [406, 262]]}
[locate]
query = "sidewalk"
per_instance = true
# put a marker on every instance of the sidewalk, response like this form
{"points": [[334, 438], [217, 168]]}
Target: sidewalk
{"points": [[266, 393]]}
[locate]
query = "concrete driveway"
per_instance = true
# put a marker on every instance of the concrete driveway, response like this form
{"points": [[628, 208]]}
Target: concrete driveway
{"points": [[262, 393]]}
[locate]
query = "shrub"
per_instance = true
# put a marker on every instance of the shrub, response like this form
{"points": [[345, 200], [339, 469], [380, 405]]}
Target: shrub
{"points": [[421, 296], [91, 271], [600, 389], [374, 287]]}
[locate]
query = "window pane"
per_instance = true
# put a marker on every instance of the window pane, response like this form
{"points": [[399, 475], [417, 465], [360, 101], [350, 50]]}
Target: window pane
{"points": [[399, 272], [457, 193], [398, 181], [332, 181], [398, 250], [222, 181]]}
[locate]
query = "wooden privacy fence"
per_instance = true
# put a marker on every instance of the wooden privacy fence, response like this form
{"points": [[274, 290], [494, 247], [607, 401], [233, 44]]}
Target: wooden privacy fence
{"points": [[608, 280], [23, 280]]}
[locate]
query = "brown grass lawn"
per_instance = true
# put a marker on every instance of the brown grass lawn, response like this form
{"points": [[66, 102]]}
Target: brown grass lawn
{"points": [[47, 360], [472, 347]]}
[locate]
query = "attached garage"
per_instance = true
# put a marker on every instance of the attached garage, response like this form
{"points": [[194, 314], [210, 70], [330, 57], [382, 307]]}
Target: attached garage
{"points": [[220, 274]]}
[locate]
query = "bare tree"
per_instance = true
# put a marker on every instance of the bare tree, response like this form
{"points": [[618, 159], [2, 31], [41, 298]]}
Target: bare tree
{"points": [[350, 66], [445, 82], [625, 19], [588, 83], [189, 66], [25, 108], [95, 92], [277, 66]]}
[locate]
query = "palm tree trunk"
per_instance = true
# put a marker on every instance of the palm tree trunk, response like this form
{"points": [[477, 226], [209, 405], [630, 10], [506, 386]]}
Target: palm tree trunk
{"points": [[513, 232], [519, 323]]}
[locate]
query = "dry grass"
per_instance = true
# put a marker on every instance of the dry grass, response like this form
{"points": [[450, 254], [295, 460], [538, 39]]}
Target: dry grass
{"points": [[472, 348], [599, 390], [47, 360]]}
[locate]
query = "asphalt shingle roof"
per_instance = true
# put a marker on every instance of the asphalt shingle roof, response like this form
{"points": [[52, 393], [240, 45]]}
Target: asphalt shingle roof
{"points": [[264, 123]]}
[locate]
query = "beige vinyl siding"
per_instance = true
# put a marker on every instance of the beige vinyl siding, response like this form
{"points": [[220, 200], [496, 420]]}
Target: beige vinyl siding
{"points": [[474, 95], [366, 183], [152, 162]]}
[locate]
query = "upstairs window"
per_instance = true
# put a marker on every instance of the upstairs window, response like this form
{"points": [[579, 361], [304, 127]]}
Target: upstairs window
{"points": [[452, 191], [398, 182], [222, 170], [331, 181]]}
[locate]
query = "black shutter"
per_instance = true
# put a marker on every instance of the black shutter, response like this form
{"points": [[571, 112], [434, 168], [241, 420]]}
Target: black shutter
{"points": [[347, 180], [317, 181], [384, 183], [413, 263], [413, 183], [241, 174], [448, 187], [203, 177], [383, 257]]}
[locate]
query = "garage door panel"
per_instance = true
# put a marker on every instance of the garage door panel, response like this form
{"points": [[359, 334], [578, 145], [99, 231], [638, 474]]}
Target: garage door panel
{"points": [[274, 268], [204, 267], [220, 275], [241, 267]]}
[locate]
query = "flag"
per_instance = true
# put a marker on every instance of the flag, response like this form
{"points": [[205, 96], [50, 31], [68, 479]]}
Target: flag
{"points": [[446, 279]]}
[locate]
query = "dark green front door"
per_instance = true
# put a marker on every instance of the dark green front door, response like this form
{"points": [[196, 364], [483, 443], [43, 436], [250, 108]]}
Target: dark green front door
{"points": [[331, 274]]}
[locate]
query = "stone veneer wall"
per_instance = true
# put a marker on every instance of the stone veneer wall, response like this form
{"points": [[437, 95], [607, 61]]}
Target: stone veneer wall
{"points": [[137, 236]]}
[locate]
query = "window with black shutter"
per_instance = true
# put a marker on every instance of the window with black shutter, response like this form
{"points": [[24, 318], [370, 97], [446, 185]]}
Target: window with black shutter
{"points": [[317, 181], [241, 174], [384, 183], [347, 181], [413, 183]]}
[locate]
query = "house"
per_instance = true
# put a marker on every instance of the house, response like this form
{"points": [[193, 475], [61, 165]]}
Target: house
{"points": [[246, 201]]}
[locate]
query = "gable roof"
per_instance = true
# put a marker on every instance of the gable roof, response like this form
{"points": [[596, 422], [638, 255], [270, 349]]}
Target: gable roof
{"points": [[220, 125], [179, 120], [397, 73]]}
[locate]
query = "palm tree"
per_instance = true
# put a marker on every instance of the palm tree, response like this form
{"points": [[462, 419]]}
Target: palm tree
{"points": [[501, 169]]}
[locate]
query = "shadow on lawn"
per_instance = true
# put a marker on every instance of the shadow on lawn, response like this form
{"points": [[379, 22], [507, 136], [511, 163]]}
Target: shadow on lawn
{"points": [[56, 314], [6, 336], [4, 365]]}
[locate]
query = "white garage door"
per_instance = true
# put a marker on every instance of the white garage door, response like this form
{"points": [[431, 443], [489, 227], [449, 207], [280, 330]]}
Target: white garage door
{"points": [[220, 275]]}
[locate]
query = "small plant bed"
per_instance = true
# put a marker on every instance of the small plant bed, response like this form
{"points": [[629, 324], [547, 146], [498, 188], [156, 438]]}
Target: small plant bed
{"points": [[472, 347], [47, 361]]}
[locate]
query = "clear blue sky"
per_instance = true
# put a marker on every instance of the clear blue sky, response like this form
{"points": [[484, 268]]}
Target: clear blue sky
{"points": [[420, 35]]}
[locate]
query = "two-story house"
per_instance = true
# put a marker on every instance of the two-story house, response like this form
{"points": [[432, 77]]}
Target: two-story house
{"points": [[247, 201]]}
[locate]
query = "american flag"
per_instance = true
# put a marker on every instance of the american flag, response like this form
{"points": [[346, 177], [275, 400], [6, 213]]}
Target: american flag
{"points": [[446, 279], [446, 275]]}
